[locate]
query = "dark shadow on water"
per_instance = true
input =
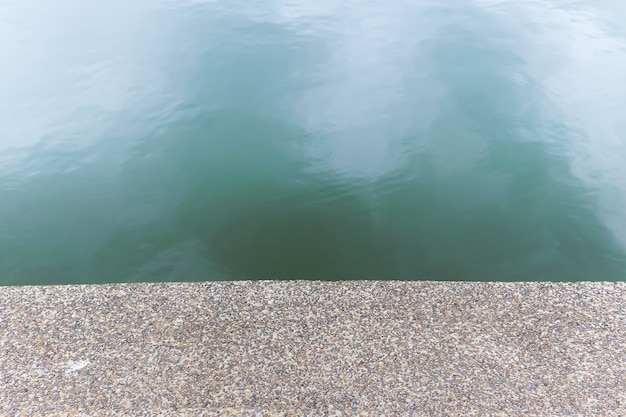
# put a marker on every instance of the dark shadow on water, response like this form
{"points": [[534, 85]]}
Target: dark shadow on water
{"points": [[266, 217]]}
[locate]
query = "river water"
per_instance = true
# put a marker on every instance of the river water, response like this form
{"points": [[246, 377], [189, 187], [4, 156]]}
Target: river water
{"points": [[170, 140]]}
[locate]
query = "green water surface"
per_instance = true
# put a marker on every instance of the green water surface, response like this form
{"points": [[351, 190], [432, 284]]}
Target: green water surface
{"points": [[146, 140]]}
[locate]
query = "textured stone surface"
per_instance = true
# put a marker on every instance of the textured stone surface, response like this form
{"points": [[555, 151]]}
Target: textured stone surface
{"points": [[314, 348]]}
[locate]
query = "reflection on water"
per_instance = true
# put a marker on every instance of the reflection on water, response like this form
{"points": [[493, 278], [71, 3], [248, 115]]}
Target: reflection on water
{"points": [[202, 140]]}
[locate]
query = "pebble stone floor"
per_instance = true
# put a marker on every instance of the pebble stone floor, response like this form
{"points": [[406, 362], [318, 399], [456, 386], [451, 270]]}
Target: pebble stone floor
{"points": [[309, 348]]}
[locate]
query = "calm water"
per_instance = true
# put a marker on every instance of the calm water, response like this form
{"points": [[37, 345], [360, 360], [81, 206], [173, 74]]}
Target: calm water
{"points": [[312, 139]]}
